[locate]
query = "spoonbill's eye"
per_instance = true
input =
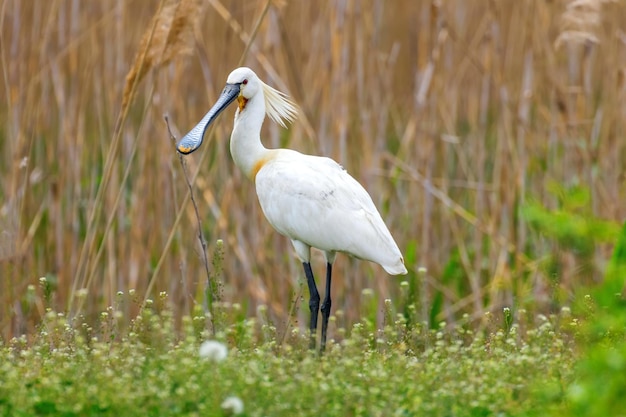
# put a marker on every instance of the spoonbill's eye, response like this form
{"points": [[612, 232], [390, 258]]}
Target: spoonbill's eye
{"points": [[244, 82]]}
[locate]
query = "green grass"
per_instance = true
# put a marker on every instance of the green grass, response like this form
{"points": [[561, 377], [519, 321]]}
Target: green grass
{"points": [[154, 368]]}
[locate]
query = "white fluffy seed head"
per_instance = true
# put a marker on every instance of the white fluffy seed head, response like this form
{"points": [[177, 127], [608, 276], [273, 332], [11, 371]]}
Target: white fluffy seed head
{"points": [[232, 405], [213, 350]]}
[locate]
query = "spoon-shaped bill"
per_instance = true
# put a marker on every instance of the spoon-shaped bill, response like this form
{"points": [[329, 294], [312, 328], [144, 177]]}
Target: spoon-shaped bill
{"points": [[192, 140]]}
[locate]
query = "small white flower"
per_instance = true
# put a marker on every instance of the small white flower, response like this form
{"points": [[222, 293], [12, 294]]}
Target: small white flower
{"points": [[233, 405], [213, 350]]}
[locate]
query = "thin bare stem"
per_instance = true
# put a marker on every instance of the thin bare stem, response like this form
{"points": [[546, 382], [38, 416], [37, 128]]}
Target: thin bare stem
{"points": [[257, 25], [205, 259]]}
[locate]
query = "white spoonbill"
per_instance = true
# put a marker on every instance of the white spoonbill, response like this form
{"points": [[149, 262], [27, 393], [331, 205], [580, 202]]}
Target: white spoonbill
{"points": [[310, 199]]}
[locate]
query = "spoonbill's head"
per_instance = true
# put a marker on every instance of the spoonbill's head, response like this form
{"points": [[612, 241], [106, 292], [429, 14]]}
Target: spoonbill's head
{"points": [[248, 82], [242, 85]]}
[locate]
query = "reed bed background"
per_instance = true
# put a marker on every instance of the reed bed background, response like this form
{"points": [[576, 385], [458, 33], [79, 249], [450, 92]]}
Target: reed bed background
{"points": [[456, 116]]}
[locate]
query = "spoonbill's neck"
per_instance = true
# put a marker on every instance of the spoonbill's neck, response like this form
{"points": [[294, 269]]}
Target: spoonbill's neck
{"points": [[246, 148]]}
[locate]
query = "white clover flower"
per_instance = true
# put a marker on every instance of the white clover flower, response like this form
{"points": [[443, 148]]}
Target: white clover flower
{"points": [[213, 350], [233, 405]]}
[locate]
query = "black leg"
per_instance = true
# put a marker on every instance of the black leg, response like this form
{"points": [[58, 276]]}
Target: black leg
{"points": [[326, 306], [314, 302]]}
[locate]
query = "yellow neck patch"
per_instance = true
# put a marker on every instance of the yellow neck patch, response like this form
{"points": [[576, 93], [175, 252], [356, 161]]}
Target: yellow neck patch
{"points": [[242, 102], [257, 167]]}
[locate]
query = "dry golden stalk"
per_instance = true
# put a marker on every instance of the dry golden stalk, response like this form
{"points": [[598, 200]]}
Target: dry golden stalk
{"points": [[170, 35], [579, 22]]}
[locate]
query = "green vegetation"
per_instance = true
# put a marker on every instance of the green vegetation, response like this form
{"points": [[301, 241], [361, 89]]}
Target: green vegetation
{"points": [[398, 371], [601, 377]]}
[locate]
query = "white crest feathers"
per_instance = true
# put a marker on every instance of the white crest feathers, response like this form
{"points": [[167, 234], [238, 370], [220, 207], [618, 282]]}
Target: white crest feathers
{"points": [[278, 106]]}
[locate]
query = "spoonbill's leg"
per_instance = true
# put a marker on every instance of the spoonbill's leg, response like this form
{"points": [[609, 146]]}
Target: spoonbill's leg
{"points": [[314, 302], [326, 306]]}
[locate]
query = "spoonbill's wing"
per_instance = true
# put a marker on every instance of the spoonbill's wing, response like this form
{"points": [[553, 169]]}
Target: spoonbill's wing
{"points": [[315, 201]]}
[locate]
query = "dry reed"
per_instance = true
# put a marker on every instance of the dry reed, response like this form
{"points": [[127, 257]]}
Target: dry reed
{"points": [[452, 114]]}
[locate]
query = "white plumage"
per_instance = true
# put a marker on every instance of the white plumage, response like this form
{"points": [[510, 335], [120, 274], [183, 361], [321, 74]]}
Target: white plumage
{"points": [[314, 201], [310, 199]]}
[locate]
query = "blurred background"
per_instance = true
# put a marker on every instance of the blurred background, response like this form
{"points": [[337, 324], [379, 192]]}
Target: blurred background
{"points": [[490, 134]]}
